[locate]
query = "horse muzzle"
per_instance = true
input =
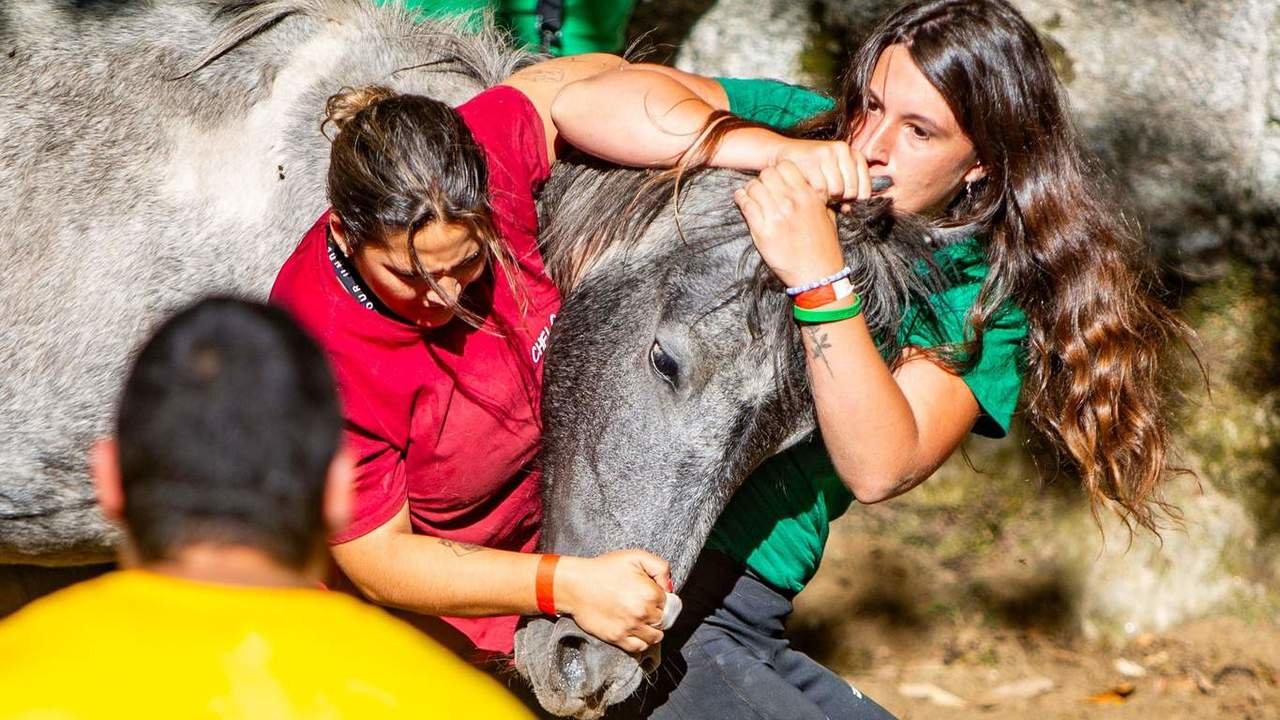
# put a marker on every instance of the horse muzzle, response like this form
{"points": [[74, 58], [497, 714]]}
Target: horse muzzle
{"points": [[574, 674]]}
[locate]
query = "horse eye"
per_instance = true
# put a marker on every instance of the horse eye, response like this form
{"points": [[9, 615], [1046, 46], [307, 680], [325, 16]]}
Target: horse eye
{"points": [[663, 364]]}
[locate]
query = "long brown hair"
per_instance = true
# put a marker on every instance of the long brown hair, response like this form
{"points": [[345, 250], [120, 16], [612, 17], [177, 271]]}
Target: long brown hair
{"points": [[1056, 246], [400, 162]]}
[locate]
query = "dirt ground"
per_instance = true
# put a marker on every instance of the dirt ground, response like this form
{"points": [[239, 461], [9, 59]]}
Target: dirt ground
{"points": [[924, 659], [1213, 669]]}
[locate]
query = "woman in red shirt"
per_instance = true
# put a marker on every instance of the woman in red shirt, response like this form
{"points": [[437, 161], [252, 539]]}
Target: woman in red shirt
{"points": [[425, 287]]}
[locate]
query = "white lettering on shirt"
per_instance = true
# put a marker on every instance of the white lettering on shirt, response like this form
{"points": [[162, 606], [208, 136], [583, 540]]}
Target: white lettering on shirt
{"points": [[540, 345]]}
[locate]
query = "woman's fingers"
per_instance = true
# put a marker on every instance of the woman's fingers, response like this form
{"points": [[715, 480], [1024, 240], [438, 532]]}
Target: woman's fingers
{"points": [[797, 186], [864, 175], [790, 222], [789, 187], [649, 635], [633, 645], [837, 187], [815, 174], [768, 200], [658, 569], [772, 179], [749, 207], [854, 186], [751, 212], [617, 597], [637, 643]]}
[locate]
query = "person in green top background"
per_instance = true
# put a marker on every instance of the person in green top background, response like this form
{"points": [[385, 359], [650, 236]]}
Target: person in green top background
{"points": [[957, 102], [777, 525], [558, 27]]}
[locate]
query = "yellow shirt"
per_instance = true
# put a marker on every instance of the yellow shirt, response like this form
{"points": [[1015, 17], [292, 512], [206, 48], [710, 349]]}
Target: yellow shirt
{"points": [[137, 644]]}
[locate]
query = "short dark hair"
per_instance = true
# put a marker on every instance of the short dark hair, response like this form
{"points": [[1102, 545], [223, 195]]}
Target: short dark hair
{"points": [[227, 426]]}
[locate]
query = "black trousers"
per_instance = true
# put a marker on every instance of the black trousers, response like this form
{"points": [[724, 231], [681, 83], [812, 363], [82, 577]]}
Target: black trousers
{"points": [[728, 657]]}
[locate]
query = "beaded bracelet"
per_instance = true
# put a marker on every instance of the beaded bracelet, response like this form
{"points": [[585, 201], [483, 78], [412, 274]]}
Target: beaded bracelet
{"points": [[816, 317], [843, 273]]}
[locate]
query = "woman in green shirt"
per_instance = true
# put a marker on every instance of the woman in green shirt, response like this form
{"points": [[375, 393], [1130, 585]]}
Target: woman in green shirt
{"points": [[957, 102]]}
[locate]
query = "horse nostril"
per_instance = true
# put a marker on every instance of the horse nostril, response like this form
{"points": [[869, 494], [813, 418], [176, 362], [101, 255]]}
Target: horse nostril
{"points": [[571, 661], [650, 659]]}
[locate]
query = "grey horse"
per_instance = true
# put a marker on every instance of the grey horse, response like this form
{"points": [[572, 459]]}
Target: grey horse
{"points": [[674, 369], [152, 153]]}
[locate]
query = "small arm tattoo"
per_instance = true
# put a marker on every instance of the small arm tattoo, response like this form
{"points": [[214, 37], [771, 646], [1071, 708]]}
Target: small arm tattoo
{"points": [[461, 549], [821, 344], [546, 75]]}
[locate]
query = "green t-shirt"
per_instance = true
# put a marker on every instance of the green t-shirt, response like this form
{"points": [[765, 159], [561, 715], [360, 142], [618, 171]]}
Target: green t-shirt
{"points": [[778, 523]]}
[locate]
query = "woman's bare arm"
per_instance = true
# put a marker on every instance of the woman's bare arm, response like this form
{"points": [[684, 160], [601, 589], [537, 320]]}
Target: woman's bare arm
{"points": [[392, 566], [543, 81], [638, 115], [618, 596]]}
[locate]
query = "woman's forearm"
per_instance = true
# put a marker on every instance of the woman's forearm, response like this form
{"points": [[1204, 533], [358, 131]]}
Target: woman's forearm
{"points": [[617, 596], [886, 431], [434, 576], [647, 117], [866, 422]]}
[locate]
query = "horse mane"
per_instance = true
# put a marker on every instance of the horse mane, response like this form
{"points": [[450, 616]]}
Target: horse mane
{"points": [[590, 208]]}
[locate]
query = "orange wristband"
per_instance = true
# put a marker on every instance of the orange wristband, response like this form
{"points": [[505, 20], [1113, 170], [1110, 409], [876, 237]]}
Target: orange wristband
{"points": [[824, 294], [816, 297], [544, 585]]}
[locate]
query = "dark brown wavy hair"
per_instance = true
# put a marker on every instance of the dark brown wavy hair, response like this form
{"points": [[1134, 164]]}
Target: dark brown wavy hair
{"points": [[401, 162], [1056, 245]]}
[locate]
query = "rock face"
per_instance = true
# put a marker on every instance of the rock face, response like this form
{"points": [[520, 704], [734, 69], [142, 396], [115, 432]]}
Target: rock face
{"points": [[1180, 99], [1150, 586], [751, 38]]}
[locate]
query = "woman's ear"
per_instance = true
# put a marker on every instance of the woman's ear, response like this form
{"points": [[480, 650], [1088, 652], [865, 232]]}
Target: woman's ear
{"points": [[339, 235], [976, 173]]}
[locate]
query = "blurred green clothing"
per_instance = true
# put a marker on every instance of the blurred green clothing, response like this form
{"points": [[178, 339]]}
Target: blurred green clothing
{"points": [[586, 25]]}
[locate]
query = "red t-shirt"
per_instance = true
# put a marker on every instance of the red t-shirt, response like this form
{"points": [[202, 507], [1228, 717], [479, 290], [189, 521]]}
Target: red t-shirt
{"points": [[447, 419]]}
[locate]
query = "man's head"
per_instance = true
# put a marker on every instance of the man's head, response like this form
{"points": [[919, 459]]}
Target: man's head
{"points": [[227, 434]]}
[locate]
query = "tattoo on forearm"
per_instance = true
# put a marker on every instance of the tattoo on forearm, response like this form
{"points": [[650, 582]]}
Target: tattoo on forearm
{"points": [[461, 548], [546, 75], [820, 342]]}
